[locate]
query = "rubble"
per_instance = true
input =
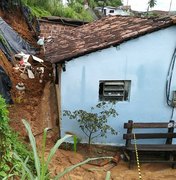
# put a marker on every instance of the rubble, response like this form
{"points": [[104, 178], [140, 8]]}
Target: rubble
{"points": [[27, 69]]}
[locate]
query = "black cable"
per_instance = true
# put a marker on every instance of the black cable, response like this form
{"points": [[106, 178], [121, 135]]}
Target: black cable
{"points": [[169, 77], [172, 113]]}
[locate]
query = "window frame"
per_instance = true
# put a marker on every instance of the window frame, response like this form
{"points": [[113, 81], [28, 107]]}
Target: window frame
{"points": [[114, 90], [111, 11]]}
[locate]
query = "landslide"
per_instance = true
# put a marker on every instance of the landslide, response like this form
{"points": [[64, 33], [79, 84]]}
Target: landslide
{"points": [[30, 106]]}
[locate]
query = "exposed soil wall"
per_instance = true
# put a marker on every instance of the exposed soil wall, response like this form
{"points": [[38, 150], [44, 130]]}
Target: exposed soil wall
{"points": [[15, 19], [38, 103]]}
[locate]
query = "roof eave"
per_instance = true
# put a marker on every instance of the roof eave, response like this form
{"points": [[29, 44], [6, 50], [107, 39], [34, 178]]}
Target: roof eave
{"points": [[138, 34]]}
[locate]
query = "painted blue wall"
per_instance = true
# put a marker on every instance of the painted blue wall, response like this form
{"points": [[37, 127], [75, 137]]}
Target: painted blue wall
{"points": [[144, 61]]}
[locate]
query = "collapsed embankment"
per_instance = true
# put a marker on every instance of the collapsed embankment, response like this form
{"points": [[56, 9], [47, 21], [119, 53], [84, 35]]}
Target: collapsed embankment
{"points": [[37, 104]]}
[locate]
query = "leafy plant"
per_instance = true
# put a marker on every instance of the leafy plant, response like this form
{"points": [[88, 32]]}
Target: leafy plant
{"points": [[41, 165], [75, 140], [9, 142], [94, 123], [5, 143]]}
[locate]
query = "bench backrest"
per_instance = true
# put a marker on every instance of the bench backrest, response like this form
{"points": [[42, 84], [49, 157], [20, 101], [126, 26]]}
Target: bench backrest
{"points": [[130, 126]]}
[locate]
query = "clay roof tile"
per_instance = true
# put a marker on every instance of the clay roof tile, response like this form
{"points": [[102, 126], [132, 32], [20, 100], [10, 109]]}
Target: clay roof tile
{"points": [[100, 34]]}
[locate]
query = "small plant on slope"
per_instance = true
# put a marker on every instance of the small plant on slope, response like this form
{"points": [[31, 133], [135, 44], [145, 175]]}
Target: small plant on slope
{"points": [[94, 123], [41, 165]]}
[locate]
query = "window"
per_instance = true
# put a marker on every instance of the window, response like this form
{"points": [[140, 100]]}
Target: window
{"points": [[111, 11], [118, 90]]}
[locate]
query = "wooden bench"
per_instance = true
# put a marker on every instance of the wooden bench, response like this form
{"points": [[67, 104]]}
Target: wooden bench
{"points": [[149, 131]]}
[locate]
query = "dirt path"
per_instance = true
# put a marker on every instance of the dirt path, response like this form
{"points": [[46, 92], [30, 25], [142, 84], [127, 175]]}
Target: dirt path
{"points": [[120, 171]]}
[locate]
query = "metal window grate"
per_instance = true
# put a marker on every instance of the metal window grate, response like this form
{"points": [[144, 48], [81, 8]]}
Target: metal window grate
{"points": [[114, 90]]}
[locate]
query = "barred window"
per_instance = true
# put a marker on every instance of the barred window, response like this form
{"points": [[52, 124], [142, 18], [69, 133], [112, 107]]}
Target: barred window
{"points": [[118, 90]]}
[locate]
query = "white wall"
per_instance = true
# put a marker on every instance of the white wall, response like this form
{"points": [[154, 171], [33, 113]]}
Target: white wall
{"points": [[144, 61], [116, 12]]}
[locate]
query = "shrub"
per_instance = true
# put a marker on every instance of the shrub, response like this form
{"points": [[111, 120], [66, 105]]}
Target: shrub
{"points": [[94, 123]]}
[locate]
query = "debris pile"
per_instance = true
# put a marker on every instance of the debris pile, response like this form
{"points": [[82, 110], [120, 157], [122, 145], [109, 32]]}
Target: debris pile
{"points": [[24, 66]]}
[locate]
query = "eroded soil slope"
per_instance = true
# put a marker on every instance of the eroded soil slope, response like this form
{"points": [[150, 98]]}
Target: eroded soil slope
{"points": [[29, 106]]}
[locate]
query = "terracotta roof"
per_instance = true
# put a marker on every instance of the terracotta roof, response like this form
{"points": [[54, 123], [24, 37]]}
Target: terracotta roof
{"points": [[101, 34]]}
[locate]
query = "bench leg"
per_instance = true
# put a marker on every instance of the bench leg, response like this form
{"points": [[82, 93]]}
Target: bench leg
{"points": [[174, 160], [168, 156], [132, 159]]}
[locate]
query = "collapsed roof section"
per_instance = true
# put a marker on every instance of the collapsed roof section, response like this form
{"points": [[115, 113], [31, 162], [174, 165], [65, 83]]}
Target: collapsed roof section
{"points": [[101, 34], [11, 42], [63, 20]]}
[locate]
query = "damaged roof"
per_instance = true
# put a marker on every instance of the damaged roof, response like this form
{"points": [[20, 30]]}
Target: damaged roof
{"points": [[63, 20], [101, 34]]}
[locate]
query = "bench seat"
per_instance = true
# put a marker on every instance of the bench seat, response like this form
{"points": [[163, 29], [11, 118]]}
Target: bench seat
{"points": [[165, 151]]}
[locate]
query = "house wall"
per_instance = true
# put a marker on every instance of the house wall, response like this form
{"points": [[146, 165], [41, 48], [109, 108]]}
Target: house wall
{"points": [[144, 61], [116, 12], [52, 29]]}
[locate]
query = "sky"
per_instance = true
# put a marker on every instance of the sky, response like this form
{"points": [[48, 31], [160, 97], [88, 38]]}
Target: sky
{"points": [[141, 5]]}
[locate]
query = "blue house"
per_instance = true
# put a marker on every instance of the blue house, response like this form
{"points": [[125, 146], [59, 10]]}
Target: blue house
{"points": [[127, 59]]}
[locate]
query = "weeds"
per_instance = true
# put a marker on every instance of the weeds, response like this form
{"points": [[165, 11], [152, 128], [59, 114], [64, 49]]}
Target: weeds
{"points": [[41, 165]]}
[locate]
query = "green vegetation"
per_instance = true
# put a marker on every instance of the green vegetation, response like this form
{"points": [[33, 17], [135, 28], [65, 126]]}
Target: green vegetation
{"points": [[151, 4], [39, 11], [74, 9], [56, 8], [114, 3], [94, 124], [9, 142], [41, 165]]}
